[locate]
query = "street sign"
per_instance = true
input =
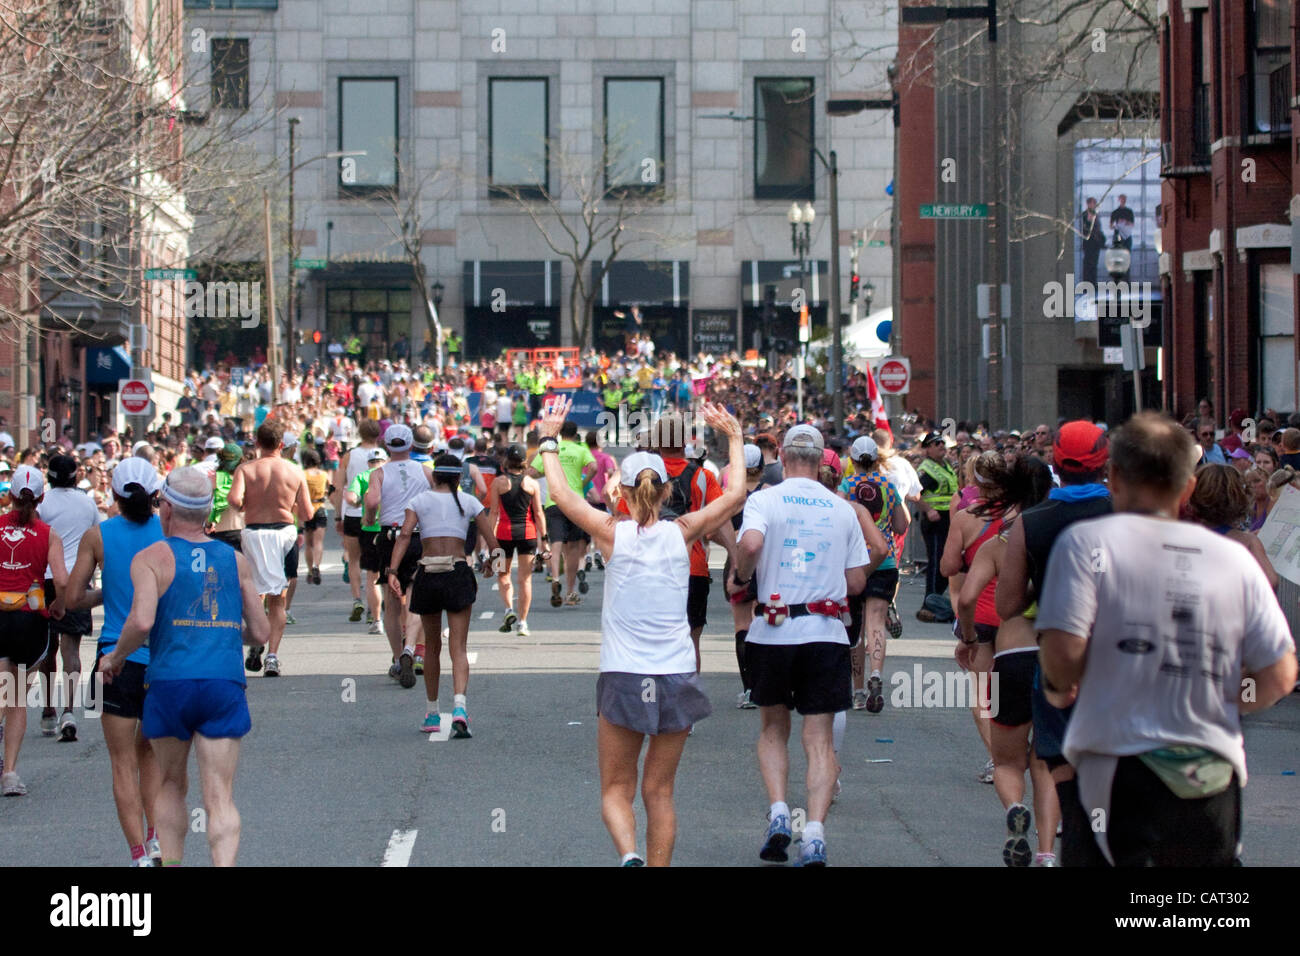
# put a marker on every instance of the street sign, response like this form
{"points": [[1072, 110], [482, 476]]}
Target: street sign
{"points": [[309, 263], [894, 376], [168, 275], [237, 375], [134, 395], [877, 243], [1130, 341], [955, 211]]}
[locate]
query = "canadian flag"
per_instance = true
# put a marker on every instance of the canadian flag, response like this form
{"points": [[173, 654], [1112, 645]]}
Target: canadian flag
{"points": [[877, 403]]}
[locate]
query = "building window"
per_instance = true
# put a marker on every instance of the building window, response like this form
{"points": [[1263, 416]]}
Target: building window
{"points": [[518, 132], [368, 122], [634, 133], [1271, 77], [1123, 176], [230, 74], [1277, 365], [783, 138]]}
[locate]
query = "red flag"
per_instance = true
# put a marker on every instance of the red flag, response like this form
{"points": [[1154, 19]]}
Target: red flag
{"points": [[877, 403]]}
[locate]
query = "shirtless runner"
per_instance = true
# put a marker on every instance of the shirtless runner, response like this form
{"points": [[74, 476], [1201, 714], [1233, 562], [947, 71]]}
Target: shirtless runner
{"points": [[270, 491]]}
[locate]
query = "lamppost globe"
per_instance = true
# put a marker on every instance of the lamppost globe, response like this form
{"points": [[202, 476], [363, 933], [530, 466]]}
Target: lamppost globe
{"points": [[809, 213], [1118, 259], [795, 214]]}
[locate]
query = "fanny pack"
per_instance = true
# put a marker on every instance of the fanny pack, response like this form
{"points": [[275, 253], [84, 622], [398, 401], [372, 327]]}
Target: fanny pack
{"points": [[776, 614], [30, 600], [435, 563], [1191, 773]]}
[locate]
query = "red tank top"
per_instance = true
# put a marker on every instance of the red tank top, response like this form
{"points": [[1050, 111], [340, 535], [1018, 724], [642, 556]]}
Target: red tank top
{"points": [[986, 611], [24, 552]]}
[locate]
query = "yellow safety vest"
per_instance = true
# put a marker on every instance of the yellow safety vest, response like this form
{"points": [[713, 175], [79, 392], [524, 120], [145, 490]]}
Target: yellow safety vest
{"points": [[946, 479]]}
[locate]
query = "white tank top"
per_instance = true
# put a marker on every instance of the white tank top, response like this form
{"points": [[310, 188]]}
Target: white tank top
{"points": [[437, 514], [643, 615], [403, 480], [358, 461]]}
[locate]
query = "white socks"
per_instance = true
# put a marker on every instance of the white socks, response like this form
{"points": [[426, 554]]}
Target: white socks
{"points": [[459, 701], [780, 808], [432, 708], [813, 830]]}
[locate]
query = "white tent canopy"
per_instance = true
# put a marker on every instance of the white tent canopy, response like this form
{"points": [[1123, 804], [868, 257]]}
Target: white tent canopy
{"points": [[859, 338]]}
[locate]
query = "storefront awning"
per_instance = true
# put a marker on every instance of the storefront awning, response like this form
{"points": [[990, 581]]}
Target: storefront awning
{"points": [[107, 366], [664, 283], [522, 283], [755, 274]]}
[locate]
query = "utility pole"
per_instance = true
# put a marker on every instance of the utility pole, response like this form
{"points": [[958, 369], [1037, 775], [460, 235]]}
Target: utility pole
{"points": [[837, 339], [272, 340], [288, 312]]}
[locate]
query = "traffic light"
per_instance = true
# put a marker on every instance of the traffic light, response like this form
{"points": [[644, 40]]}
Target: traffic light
{"points": [[315, 337], [854, 282]]}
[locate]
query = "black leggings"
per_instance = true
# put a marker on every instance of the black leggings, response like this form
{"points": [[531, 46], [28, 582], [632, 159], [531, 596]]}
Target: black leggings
{"points": [[745, 679]]}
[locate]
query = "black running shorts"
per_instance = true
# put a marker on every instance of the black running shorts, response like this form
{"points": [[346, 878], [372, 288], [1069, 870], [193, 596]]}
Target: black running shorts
{"points": [[124, 697], [697, 600], [384, 542], [438, 591], [352, 526], [810, 678]]}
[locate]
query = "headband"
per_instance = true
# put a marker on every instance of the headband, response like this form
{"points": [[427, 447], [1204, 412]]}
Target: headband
{"points": [[185, 501], [446, 470]]}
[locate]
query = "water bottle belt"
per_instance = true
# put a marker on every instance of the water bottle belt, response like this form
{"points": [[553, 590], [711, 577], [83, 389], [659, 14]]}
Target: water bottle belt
{"points": [[825, 608]]}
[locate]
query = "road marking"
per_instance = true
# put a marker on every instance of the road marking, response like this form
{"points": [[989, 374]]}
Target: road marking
{"points": [[444, 729], [486, 615], [496, 587], [472, 656], [399, 849]]}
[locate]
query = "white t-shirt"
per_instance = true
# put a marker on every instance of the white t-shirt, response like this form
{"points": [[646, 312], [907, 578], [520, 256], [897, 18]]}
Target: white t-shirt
{"points": [[902, 476], [643, 622], [70, 513], [437, 515], [810, 538], [366, 392], [1179, 614], [403, 480], [504, 409]]}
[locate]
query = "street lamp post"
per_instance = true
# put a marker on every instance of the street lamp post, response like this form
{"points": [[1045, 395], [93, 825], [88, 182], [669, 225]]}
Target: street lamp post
{"points": [[436, 292], [799, 243]]}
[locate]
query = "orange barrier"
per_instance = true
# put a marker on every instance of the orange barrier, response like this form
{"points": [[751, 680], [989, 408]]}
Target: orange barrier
{"points": [[569, 372]]}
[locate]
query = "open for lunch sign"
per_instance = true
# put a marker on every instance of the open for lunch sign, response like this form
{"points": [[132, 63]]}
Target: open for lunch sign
{"points": [[714, 330]]}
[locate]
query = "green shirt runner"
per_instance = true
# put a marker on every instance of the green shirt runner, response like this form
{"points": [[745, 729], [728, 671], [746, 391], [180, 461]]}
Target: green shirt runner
{"points": [[574, 456]]}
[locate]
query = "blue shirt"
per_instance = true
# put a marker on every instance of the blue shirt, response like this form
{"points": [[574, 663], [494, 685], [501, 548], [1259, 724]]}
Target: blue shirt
{"points": [[123, 539], [198, 631]]}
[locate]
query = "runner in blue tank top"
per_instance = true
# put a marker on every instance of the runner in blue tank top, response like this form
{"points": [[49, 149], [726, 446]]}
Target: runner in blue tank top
{"points": [[193, 598], [135, 771]]}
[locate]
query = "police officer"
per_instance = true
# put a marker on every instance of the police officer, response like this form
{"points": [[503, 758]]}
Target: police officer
{"points": [[938, 485]]}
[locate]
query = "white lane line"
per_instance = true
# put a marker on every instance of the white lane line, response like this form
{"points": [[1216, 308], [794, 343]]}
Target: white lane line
{"points": [[486, 615], [472, 656], [496, 587], [444, 730], [399, 849]]}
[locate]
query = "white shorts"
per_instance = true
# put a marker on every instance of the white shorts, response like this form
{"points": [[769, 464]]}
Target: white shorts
{"points": [[266, 549]]}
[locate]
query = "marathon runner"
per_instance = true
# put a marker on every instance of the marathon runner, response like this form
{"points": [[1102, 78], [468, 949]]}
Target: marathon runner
{"points": [[742, 604], [519, 522], [798, 649], [648, 681], [347, 521], [29, 547], [1163, 633], [1004, 494], [314, 528], [368, 566], [226, 523], [271, 492], [292, 454], [70, 513], [194, 601], [443, 582], [578, 465], [393, 486], [135, 770]]}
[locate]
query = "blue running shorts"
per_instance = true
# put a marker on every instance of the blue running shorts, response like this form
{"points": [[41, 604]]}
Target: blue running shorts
{"points": [[183, 708]]}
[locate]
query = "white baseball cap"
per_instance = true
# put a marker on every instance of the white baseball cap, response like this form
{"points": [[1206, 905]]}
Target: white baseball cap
{"points": [[290, 439], [804, 436], [377, 454], [27, 478], [864, 447], [138, 445], [638, 462], [398, 438], [136, 471], [214, 444], [753, 456]]}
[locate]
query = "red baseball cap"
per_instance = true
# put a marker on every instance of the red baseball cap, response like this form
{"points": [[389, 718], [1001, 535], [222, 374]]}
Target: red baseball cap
{"points": [[1080, 446]]}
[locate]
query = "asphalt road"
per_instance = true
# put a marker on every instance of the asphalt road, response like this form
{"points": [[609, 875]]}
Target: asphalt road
{"points": [[335, 772]]}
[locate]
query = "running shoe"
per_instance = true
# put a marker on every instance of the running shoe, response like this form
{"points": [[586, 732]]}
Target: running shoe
{"points": [[1045, 859], [583, 587], [509, 623], [777, 840], [893, 623], [406, 670], [153, 849], [143, 861], [432, 724], [289, 618], [875, 695], [357, 610], [370, 618], [523, 629], [67, 727], [744, 701], [49, 724], [859, 700], [986, 772], [272, 666], [587, 563], [633, 860], [11, 785], [254, 660], [419, 664], [556, 597], [1016, 850], [926, 615], [373, 628], [812, 853], [460, 724], [395, 670], [539, 565], [573, 600], [600, 562], [315, 575]]}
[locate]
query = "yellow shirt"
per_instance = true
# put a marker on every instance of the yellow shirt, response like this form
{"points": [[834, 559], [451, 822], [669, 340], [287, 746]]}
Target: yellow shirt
{"points": [[317, 481]]}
